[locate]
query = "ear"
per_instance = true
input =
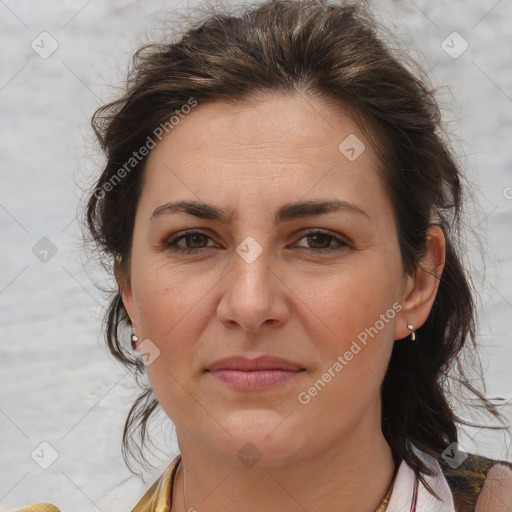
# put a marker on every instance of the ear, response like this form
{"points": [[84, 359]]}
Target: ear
{"points": [[124, 283], [420, 290]]}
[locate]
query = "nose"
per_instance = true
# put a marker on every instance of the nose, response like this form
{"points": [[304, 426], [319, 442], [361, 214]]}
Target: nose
{"points": [[253, 294]]}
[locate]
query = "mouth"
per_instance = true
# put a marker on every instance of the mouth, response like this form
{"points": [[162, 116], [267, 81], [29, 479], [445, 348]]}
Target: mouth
{"points": [[264, 372], [254, 379]]}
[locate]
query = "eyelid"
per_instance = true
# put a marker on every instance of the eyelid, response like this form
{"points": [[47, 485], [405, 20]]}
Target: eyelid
{"points": [[342, 243], [169, 241]]}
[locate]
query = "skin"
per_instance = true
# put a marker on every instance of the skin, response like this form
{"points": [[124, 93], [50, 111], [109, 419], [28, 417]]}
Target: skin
{"points": [[328, 455], [496, 494]]}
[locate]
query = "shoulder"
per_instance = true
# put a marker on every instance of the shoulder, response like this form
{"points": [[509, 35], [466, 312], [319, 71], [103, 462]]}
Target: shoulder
{"points": [[39, 507], [496, 493], [480, 484], [159, 495]]}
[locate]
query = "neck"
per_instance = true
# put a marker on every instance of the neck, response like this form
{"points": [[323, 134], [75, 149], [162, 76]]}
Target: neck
{"points": [[351, 476]]}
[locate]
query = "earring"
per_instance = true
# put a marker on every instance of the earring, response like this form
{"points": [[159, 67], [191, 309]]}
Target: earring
{"points": [[413, 334], [134, 339]]}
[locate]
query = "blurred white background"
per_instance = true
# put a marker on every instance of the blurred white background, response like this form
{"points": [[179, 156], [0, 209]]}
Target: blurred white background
{"points": [[58, 385]]}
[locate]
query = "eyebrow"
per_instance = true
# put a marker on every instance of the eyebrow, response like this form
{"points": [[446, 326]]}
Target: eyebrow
{"points": [[286, 212]]}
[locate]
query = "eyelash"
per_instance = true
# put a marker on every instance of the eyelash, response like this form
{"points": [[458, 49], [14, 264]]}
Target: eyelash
{"points": [[171, 244]]}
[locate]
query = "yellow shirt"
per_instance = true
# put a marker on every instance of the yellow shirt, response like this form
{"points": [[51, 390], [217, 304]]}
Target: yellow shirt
{"points": [[158, 498], [496, 492]]}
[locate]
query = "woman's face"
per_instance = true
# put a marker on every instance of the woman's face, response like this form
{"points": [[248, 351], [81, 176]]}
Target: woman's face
{"points": [[268, 273]]}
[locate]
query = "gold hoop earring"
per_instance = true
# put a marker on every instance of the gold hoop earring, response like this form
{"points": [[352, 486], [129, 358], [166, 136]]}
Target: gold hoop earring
{"points": [[413, 334]]}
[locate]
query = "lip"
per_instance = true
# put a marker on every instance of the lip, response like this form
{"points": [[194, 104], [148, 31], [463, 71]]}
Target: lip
{"points": [[265, 362], [263, 372]]}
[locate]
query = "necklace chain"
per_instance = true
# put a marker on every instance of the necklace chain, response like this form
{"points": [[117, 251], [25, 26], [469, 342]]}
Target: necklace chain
{"points": [[381, 508]]}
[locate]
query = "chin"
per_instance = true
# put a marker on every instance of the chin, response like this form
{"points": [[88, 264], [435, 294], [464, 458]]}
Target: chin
{"points": [[261, 438]]}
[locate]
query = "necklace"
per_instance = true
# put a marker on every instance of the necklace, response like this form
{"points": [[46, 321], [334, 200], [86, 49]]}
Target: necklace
{"points": [[381, 508], [384, 503]]}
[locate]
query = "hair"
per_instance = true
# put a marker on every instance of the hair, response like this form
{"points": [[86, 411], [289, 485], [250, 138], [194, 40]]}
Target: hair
{"points": [[333, 53]]}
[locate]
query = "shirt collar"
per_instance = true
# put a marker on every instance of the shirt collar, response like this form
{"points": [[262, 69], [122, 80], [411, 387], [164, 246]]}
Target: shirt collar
{"points": [[403, 495], [159, 495]]}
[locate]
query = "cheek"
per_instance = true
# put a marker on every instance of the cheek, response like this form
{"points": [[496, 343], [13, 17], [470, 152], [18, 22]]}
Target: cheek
{"points": [[173, 308], [355, 314], [165, 296], [354, 357], [351, 298], [171, 316]]}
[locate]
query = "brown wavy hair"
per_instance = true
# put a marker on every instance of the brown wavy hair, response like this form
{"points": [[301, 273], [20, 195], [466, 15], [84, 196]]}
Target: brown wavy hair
{"points": [[334, 53]]}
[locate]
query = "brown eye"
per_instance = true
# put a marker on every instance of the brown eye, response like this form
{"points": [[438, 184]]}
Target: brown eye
{"points": [[321, 242], [315, 239], [194, 239], [194, 242]]}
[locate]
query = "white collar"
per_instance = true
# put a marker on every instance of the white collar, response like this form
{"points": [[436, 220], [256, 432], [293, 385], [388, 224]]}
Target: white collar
{"points": [[403, 490]]}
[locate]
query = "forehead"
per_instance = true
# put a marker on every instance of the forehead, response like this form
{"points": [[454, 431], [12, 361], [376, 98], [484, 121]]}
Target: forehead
{"points": [[276, 147], [267, 124]]}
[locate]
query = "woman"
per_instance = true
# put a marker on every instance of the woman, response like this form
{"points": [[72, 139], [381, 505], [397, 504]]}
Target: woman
{"points": [[282, 214]]}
